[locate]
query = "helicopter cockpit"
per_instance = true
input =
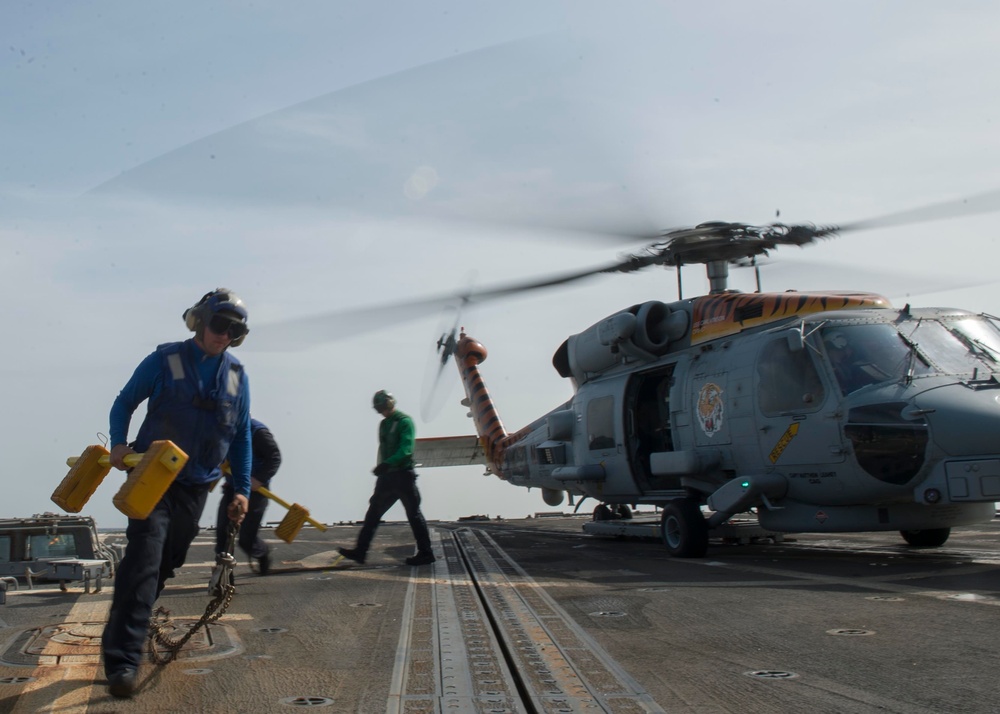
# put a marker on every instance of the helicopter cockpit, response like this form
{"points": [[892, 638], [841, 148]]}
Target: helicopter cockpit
{"points": [[875, 353], [862, 355]]}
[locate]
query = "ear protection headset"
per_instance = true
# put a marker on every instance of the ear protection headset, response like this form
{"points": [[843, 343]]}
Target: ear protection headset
{"points": [[219, 300]]}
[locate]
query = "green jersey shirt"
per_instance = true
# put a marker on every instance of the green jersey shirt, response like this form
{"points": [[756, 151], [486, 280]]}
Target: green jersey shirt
{"points": [[396, 438]]}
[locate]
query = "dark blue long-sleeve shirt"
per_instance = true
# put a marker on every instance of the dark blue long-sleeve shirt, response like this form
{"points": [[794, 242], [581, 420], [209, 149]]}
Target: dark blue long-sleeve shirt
{"points": [[147, 383]]}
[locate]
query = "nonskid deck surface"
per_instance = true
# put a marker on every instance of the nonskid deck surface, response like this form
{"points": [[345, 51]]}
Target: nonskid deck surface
{"points": [[535, 616]]}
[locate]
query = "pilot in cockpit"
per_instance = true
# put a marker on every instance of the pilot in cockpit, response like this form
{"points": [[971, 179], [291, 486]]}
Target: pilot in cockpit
{"points": [[851, 366]]}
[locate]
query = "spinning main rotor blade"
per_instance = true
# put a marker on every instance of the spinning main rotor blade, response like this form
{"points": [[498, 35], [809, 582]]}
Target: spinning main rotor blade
{"points": [[313, 330], [465, 138], [973, 205], [328, 327]]}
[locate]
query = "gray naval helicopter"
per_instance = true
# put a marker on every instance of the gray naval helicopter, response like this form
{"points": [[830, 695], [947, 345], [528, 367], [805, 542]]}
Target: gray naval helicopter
{"points": [[814, 411]]}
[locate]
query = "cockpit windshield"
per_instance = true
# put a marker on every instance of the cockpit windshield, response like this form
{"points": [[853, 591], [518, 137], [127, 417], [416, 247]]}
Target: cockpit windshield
{"points": [[868, 354], [982, 335], [882, 352], [952, 350]]}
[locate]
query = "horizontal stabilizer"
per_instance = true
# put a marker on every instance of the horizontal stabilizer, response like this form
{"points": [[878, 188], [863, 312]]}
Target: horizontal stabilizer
{"points": [[449, 451]]}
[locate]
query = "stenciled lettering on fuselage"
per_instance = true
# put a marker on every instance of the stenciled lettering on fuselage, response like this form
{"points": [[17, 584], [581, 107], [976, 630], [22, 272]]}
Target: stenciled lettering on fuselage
{"points": [[710, 410], [813, 477]]}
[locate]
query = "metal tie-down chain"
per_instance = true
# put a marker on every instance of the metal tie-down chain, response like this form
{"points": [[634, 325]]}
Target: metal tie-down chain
{"points": [[221, 587]]}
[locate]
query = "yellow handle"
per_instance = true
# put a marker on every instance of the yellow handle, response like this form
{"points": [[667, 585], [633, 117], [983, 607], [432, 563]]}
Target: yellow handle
{"points": [[130, 460], [281, 502]]}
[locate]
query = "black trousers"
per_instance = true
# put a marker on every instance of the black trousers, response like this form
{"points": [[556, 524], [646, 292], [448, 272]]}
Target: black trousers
{"points": [[249, 540], [156, 547], [392, 487]]}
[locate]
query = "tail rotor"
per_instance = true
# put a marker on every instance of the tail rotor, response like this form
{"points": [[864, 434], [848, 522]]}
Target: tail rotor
{"points": [[437, 386]]}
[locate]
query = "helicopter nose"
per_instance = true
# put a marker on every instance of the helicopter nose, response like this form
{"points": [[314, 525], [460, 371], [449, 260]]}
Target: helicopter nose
{"points": [[963, 421]]}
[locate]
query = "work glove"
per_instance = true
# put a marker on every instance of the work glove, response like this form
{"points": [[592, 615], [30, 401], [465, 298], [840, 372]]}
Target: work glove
{"points": [[381, 470]]}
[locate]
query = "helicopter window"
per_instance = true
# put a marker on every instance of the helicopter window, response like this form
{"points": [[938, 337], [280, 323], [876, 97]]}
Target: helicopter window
{"points": [[887, 445], [788, 381], [861, 355], [982, 336], [600, 423], [518, 461], [956, 352]]}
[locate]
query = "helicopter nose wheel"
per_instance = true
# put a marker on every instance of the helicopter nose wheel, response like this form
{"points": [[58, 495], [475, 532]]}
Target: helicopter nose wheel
{"points": [[684, 529]]}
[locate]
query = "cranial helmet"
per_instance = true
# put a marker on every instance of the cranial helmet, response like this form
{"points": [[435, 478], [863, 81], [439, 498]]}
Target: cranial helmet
{"points": [[836, 340], [383, 399], [220, 300]]}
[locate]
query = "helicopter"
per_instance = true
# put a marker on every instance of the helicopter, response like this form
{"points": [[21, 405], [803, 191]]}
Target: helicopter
{"points": [[821, 412]]}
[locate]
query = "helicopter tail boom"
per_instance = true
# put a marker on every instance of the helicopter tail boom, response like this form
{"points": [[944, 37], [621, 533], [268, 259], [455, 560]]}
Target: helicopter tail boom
{"points": [[469, 353]]}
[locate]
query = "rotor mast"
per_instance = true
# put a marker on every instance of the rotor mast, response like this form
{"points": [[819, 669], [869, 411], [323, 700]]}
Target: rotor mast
{"points": [[718, 276]]}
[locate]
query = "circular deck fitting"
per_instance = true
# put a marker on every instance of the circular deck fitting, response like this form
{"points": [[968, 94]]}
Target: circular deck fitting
{"points": [[260, 656], [272, 630], [846, 632], [608, 613], [306, 701], [80, 643], [886, 598], [196, 671], [771, 674], [16, 680]]}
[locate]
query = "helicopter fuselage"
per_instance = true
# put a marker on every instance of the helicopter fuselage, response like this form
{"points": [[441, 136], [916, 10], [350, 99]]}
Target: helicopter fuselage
{"points": [[820, 412]]}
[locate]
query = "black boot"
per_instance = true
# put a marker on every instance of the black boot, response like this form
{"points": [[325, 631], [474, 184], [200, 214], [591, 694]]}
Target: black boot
{"points": [[352, 554], [425, 558]]}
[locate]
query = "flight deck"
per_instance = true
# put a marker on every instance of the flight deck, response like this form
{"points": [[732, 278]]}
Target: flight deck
{"points": [[536, 615]]}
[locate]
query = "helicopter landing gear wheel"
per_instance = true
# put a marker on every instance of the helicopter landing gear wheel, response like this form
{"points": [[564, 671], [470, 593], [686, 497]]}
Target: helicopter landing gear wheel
{"points": [[623, 512], [603, 513], [684, 530], [930, 538]]}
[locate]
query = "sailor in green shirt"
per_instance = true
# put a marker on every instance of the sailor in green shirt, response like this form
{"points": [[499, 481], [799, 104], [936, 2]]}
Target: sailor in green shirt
{"points": [[397, 481]]}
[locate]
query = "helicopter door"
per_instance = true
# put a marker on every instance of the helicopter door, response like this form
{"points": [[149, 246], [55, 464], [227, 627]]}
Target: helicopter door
{"points": [[604, 435], [649, 428], [793, 409]]}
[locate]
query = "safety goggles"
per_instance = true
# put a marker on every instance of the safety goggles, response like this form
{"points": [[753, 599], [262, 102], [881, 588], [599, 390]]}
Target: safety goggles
{"points": [[222, 325]]}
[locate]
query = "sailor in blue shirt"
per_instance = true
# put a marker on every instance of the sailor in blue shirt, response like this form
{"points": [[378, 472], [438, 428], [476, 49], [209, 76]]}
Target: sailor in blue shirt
{"points": [[199, 398]]}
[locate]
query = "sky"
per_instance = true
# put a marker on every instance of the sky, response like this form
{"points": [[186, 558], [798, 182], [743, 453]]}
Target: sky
{"points": [[318, 157]]}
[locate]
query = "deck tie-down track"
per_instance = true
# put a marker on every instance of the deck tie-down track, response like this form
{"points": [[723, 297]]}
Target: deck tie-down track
{"points": [[482, 636]]}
